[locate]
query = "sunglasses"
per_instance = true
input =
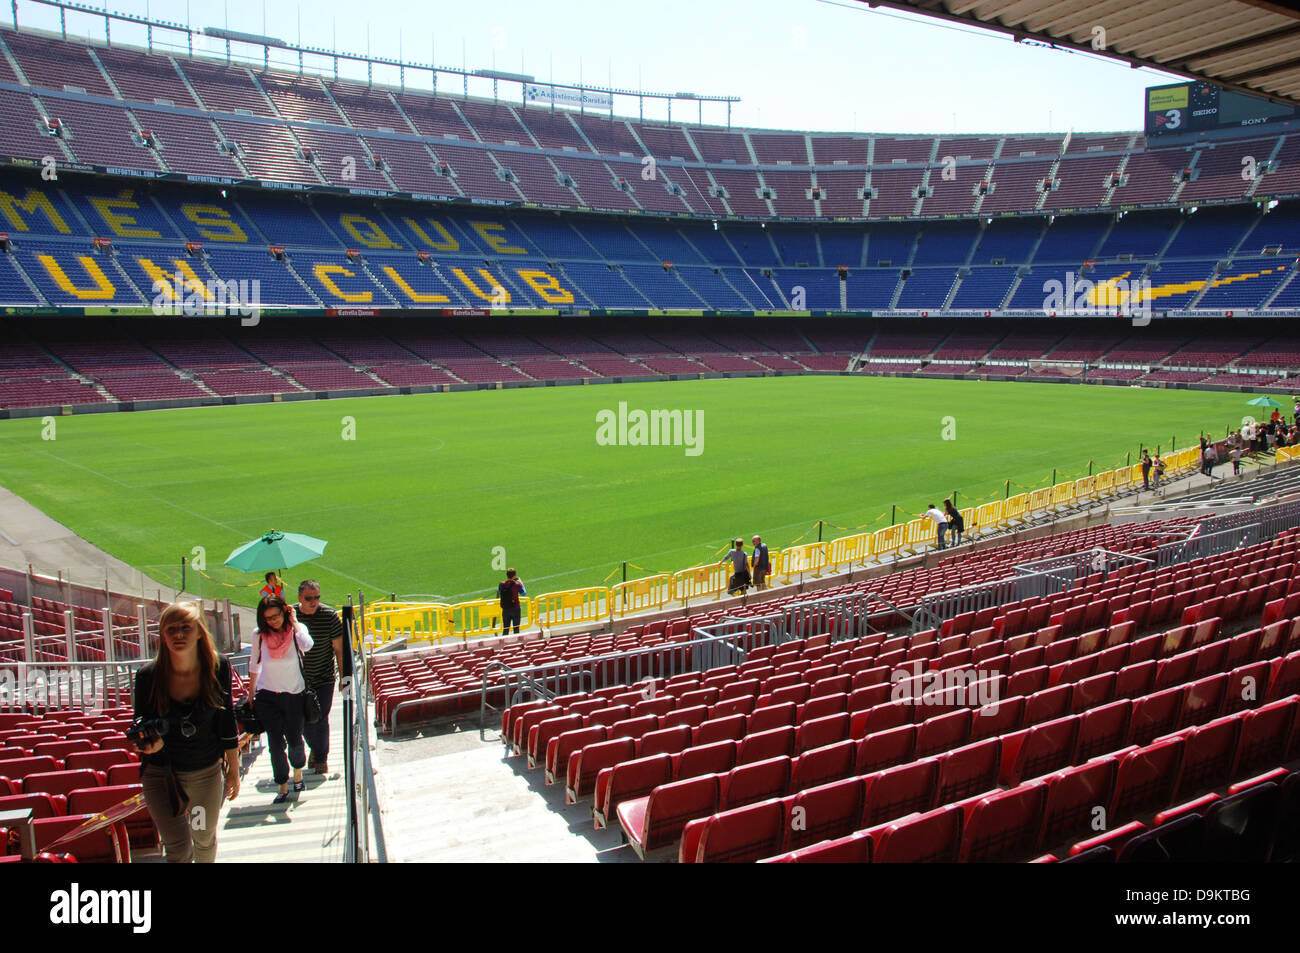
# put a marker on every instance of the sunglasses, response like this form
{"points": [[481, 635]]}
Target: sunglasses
{"points": [[309, 598]]}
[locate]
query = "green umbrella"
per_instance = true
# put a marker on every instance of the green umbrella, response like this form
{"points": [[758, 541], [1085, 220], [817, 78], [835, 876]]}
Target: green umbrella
{"points": [[276, 550], [1263, 402]]}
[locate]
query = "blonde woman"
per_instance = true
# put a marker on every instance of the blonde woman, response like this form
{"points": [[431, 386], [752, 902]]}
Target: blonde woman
{"points": [[186, 735]]}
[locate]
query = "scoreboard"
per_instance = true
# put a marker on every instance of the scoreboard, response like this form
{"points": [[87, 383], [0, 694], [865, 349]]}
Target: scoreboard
{"points": [[1195, 107]]}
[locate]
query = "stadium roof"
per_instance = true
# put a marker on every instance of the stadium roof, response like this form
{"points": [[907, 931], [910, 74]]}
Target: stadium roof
{"points": [[1249, 45]]}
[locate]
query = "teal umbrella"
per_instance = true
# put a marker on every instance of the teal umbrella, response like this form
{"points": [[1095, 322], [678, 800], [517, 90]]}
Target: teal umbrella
{"points": [[276, 550], [1263, 402]]}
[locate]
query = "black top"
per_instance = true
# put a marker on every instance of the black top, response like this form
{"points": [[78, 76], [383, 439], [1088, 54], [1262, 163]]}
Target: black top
{"points": [[215, 732], [508, 593], [324, 626]]}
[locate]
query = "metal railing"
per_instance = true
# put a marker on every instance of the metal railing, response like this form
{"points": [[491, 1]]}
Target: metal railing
{"points": [[727, 642], [1211, 544], [62, 684], [358, 761], [1084, 563], [1272, 519], [934, 610]]}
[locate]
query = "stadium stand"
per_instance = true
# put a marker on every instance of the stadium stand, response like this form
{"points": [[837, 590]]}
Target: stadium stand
{"points": [[1124, 688]]}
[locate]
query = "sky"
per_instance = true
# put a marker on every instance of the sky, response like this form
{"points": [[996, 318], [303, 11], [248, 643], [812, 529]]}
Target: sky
{"points": [[825, 65]]}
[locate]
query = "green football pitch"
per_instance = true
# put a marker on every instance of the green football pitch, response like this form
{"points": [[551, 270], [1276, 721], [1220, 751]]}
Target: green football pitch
{"points": [[426, 495]]}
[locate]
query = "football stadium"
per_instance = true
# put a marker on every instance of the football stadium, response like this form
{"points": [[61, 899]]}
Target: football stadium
{"points": [[943, 505]]}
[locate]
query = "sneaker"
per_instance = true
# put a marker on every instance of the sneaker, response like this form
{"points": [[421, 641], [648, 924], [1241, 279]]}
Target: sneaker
{"points": [[281, 797], [300, 785]]}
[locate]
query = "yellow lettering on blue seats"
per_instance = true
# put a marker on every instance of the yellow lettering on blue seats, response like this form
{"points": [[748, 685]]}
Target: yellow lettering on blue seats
{"points": [[323, 272], [215, 223], [165, 283], [447, 242], [488, 229], [119, 223], [34, 201], [546, 285], [366, 232], [497, 292], [418, 297], [103, 289]]}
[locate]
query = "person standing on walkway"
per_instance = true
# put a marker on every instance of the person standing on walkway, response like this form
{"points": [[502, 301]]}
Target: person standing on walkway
{"points": [[190, 746], [1146, 469], [739, 581], [277, 685], [956, 523], [762, 563], [321, 665], [941, 524], [508, 592]]}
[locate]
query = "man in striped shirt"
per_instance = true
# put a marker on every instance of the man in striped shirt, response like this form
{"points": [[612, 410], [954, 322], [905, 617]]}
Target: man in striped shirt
{"points": [[322, 662]]}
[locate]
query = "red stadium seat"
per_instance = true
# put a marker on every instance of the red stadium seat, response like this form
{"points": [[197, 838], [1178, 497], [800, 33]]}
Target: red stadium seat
{"points": [[930, 838]]}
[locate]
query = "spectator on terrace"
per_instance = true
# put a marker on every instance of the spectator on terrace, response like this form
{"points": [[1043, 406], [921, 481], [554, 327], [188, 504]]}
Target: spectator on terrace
{"points": [[1204, 443], [191, 762], [739, 581], [1235, 456], [1146, 469], [1158, 468], [277, 685], [273, 587], [762, 563], [940, 523], [320, 665], [508, 591], [1211, 458], [956, 524]]}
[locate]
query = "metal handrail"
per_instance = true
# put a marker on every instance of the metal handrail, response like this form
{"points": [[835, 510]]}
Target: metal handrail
{"points": [[526, 682], [363, 801]]}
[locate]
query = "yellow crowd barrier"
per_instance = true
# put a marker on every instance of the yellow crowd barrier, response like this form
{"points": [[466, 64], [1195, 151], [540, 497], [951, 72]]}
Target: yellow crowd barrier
{"points": [[808, 559], [1105, 482], [575, 605], [639, 595], [1062, 493], [1040, 499], [848, 550], [1286, 453], [968, 517], [919, 532], [482, 617], [1084, 487], [988, 517], [700, 582], [386, 621], [886, 540], [1015, 506], [1123, 477]]}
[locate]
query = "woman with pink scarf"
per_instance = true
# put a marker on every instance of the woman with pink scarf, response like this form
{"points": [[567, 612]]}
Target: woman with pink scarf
{"points": [[277, 686]]}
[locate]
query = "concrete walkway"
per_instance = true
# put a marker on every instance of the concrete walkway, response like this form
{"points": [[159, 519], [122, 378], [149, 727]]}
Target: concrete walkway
{"points": [[308, 828], [29, 537]]}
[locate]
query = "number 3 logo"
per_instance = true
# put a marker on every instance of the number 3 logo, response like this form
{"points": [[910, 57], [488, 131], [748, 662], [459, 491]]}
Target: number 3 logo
{"points": [[1175, 117]]}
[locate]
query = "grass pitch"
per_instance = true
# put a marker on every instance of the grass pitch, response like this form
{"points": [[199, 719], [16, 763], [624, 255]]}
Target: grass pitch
{"points": [[434, 488]]}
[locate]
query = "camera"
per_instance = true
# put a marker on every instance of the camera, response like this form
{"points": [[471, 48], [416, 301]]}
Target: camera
{"points": [[145, 730]]}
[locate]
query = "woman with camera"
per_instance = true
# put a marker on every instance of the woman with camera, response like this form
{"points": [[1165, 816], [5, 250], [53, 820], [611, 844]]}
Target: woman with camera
{"points": [[278, 687], [185, 732]]}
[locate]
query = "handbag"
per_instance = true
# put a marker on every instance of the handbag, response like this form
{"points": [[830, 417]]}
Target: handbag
{"points": [[247, 718], [311, 712]]}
